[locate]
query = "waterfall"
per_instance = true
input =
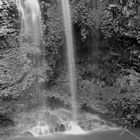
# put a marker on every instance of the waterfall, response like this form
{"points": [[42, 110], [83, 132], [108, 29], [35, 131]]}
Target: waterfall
{"points": [[70, 55], [31, 35], [30, 16], [31, 25], [31, 31]]}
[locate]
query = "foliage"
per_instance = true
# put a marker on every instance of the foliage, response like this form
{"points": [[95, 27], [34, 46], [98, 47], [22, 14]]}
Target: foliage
{"points": [[114, 100], [88, 12], [120, 27], [53, 34], [8, 24], [9, 75], [122, 20]]}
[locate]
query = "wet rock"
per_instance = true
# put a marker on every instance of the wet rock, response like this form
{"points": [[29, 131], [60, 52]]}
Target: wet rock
{"points": [[62, 127], [57, 128], [27, 133]]}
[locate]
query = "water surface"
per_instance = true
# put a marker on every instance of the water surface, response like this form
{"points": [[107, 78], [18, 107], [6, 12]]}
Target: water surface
{"points": [[97, 135]]}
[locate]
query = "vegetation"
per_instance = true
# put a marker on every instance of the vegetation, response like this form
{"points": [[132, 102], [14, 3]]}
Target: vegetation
{"points": [[107, 38]]}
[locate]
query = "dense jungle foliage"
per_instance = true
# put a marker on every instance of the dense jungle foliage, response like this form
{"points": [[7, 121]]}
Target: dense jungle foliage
{"points": [[107, 52]]}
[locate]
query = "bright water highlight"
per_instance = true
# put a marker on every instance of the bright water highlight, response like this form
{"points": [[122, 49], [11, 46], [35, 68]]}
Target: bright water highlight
{"points": [[30, 14], [70, 55]]}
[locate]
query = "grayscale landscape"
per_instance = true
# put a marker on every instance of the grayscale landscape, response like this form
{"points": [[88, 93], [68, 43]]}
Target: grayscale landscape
{"points": [[69, 69]]}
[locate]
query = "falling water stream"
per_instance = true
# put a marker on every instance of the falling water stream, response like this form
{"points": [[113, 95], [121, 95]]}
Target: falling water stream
{"points": [[71, 65], [31, 38], [30, 15], [70, 54], [31, 29]]}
